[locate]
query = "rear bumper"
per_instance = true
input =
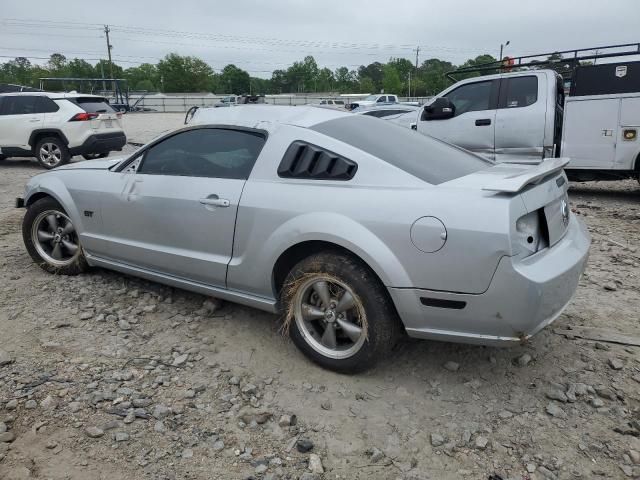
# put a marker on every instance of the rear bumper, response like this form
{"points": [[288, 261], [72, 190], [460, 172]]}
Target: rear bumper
{"points": [[524, 296], [101, 143]]}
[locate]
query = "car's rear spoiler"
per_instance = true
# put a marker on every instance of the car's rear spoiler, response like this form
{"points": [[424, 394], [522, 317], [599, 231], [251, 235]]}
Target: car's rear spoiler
{"points": [[516, 182]]}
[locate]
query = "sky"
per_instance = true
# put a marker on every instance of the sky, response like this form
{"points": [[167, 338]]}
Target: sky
{"points": [[260, 36]]}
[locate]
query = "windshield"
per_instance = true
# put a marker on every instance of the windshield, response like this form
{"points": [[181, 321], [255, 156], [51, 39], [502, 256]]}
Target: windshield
{"points": [[371, 98], [427, 158]]}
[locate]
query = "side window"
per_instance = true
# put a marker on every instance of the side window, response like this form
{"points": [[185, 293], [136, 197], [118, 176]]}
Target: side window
{"points": [[19, 105], [519, 92], [382, 99], [471, 97], [304, 160], [205, 152], [323, 102], [393, 98], [46, 105]]}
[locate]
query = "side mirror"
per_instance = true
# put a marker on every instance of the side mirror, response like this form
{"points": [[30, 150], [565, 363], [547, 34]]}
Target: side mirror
{"points": [[440, 109]]}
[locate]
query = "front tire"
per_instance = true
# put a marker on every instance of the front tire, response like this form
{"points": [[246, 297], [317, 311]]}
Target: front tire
{"points": [[93, 156], [338, 313], [51, 238], [51, 152]]}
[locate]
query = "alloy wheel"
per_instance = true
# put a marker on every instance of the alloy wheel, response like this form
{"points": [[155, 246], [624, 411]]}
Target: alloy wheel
{"points": [[55, 238], [50, 154]]}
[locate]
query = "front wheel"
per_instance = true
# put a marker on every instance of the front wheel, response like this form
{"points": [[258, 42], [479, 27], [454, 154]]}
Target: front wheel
{"points": [[51, 238], [338, 313], [51, 152]]}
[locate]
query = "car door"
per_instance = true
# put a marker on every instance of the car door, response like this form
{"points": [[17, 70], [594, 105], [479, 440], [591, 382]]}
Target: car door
{"points": [[473, 124], [175, 214], [520, 119], [19, 116]]}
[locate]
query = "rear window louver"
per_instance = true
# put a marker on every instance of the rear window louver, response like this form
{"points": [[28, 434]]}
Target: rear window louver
{"points": [[306, 161]]}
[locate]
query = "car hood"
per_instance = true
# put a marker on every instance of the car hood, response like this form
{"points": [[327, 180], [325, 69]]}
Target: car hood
{"points": [[99, 164]]}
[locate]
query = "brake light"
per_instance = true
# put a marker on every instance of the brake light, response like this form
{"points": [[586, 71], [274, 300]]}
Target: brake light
{"points": [[83, 117]]}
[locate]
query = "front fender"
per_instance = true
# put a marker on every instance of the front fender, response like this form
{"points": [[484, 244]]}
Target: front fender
{"points": [[54, 187]]}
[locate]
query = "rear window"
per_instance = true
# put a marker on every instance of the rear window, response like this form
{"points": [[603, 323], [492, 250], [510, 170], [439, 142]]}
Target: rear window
{"points": [[426, 158], [93, 104]]}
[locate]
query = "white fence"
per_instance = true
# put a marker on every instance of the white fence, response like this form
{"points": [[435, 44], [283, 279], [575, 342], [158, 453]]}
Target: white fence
{"points": [[174, 103]]}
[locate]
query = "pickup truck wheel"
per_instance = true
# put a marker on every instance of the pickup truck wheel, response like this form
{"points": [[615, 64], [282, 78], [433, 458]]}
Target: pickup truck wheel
{"points": [[51, 238], [2, 157], [51, 152], [338, 313]]}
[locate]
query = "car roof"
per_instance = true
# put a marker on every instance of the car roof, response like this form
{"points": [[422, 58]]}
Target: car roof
{"points": [[54, 95], [266, 117]]}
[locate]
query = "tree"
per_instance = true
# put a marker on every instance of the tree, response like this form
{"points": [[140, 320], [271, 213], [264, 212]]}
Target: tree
{"points": [[144, 85], [391, 80], [345, 80], [16, 71], [103, 70], [366, 85], [56, 65], [185, 74], [432, 74], [143, 77], [374, 72], [234, 80], [325, 80]]}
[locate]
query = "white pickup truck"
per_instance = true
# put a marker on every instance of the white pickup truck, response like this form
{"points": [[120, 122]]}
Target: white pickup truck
{"points": [[524, 117]]}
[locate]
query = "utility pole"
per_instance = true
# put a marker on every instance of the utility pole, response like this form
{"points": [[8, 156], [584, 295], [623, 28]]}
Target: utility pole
{"points": [[416, 76], [109, 47]]}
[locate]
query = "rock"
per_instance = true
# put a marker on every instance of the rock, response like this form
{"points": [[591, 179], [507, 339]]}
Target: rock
{"points": [[616, 363], [610, 286], [7, 437], [309, 476], [121, 436], [286, 421], [505, 414], [326, 405], [49, 403], [556, 394], [51, 444], [555, 411], [437, 440], [596, 402], [218, 445], [605, 392], [94, 432], [259, 416], [142, 402], [481, 442], [187, 453], [30, 404], [11, 404], [180, 360], [249, 389], [234, 381], [375, 455], [261, 468], [124, 325], [303, 445], [523, 360], [161, 411], [531, 467], [75, 407], [546, 473], [315, 464], [5, 358], [86, 315], [159, 427], [634, 456], [628, 471], [3, 427], [452, 366]]}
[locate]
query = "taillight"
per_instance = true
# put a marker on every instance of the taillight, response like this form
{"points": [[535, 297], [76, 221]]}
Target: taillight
{"points": [[531, 233], [83, 117]]}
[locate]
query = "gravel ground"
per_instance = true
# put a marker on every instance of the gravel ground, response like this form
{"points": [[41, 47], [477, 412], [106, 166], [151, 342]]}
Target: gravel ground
{"points": [[104, 376]]}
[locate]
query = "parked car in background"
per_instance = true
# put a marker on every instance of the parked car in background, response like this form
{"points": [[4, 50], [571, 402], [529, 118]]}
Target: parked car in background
{"points": [[331, 103], [53, 127], [354, 229], [381, 99], [229, 101], [525, 117], [399, 113]]}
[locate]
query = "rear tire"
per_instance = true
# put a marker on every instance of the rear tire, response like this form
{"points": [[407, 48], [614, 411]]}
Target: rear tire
{"points": [[2, 157], [51, 152], [314, 297], [51, 238]]}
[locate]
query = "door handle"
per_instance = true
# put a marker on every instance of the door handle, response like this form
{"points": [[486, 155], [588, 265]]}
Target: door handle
{"points": [[34, 120], [483, 122], [214, 201]]}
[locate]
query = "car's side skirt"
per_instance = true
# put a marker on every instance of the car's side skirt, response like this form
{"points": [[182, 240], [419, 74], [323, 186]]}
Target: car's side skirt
{"points": [[261, 303]]}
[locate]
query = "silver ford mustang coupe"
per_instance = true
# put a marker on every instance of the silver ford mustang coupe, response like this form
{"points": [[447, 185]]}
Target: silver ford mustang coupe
{"points": [[352, 228]]}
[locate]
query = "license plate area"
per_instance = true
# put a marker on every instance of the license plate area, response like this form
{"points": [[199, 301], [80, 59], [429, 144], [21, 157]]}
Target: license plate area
{"points": [[557, 216], [107, 123]]}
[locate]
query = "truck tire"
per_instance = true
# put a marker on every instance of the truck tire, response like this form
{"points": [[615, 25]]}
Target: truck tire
{"points": [[51, 152]]}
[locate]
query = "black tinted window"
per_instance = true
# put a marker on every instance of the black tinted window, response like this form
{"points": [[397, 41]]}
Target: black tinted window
{"points": [[92, 104], [19, 105], [519, 92], [46, 105], [427, 158], [471, 97], [215, 153]]}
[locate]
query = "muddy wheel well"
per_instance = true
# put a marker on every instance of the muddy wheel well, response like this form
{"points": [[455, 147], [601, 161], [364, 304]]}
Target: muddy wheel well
{"points": [[290, 257]]}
